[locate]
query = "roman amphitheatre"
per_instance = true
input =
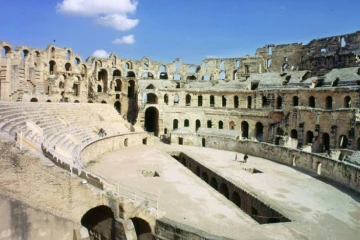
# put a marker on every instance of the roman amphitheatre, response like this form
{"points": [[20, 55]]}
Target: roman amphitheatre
{"points": [[113, 148]]}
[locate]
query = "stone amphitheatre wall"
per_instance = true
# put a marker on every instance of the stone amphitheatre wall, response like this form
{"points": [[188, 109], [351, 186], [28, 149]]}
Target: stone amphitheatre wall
{"points": [[95, 149], [338, 171]]}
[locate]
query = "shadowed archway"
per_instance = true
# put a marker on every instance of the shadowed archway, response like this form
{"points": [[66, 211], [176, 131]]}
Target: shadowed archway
{"points": [[152, 120]]}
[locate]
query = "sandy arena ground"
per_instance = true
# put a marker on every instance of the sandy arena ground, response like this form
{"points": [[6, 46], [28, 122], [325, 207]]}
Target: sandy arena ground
{"points": [[318, 209]]}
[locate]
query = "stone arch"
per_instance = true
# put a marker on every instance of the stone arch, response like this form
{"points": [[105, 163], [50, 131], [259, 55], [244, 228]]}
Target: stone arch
{"points": [[236, 102], [68, 67], [222, 75], [188, 100], [142, 228], [309, 137], [209, 124], [103, 76], [99, 221], [99, 88], [152, 98], [213, 183], [175, 124], [103, 102], [236, 199], [326, 142], [128, 65], [152, 120], [176, 99], [224, 190], [223, 101], [232, 125], [117, 106], [116, 73], [259, 131], [312, 102], [5, 51], [186, 123], [34, 100], [347, 102], [294, 134], [197, 125], [200, 100], [52, 67], [48, 100], [130, 74], [244, 129], [328, 102], [205, 177], [295, 101], [343, 141], [77, 61], [25, 54], [221, 125], [249, 102], [212, 101]]}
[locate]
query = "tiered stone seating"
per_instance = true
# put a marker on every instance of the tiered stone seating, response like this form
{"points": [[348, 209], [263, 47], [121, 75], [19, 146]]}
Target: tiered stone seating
{"points": [[60, 127]]}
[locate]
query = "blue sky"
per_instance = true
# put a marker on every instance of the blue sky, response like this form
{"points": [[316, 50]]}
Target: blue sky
{"points": [[167, 29]]}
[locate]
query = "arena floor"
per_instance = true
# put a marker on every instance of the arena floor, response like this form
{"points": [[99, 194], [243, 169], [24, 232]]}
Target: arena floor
{"points": [[318, 209]]}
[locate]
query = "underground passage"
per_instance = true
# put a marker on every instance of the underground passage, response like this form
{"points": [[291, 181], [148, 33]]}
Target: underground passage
{"points": [[255, 208]]}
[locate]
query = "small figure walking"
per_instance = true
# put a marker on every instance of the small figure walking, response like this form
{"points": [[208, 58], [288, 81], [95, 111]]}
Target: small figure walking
{"points": [[236, 157], [245, 158]]}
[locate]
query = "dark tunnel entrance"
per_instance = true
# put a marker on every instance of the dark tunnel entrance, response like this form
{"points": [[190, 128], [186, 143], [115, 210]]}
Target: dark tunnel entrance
{"points": [[152, 120], [100, 223], [142, 229]]}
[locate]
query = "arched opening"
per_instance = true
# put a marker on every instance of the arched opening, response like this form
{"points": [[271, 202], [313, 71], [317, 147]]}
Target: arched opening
{"points": [[197, 125], [176, 99], [249, 101], [269, 63], [236, 101], [90, 101], [294, 134], [222, 65], [151, 86], [118, 85], [147, 75], [235, 76], [166, 99], [277, 140], [223, 100], [103, 102], [259, 131], [186, 123], [33, 100], [131, 89], [358, 144], [200, 100], [146, 63], [244, 129], [203, 142], [279, 132], [197, 171], [152, 120], [326, 142], [5, 51], [222, 76], [188, 100], [117, 73], [103, 76], [312, 102], [232, 125], [309, 137], [343, 141], [83, 70], [191, 78], [212, 101], [117, 106], [295, 101], [328, 102], [236, 199], [209, 124], [221, 125], [68, 67], [130, 74], [164, 76], [177, 85], [77, 61], [25, 54], [175, 124], [206, 78], [152, 98], [318, 170], [142, 228], [279, 102], [224, 190], [347, 102], [128, 65], [205, 177], [99, 88], [48, 100], [99, 222], [213, 183], [52, 67], [264, 101], [76, 101]]}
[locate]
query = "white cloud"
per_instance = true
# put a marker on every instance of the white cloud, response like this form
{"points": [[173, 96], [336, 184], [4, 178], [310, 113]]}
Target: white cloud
{"points": [[110, 13], [118, 22], [96, 7], [129, 39], [101, 54]]}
